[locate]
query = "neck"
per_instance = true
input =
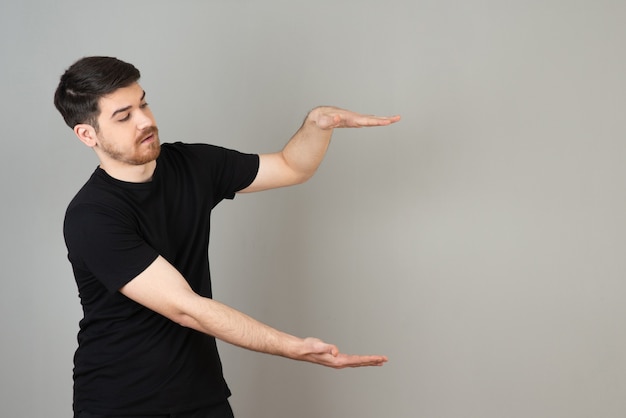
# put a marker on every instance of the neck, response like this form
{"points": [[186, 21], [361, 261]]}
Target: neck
{"points": [[129, 173]]}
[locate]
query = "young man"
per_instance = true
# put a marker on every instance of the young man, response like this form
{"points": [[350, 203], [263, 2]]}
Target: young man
{"points": [[137, 237]]}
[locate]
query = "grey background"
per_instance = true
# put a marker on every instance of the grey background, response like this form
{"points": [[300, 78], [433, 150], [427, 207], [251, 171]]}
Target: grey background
{"points": [[479, 243]]}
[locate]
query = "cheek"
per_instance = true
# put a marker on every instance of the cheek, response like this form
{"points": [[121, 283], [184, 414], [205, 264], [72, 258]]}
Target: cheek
{"points": [[118, 137]]}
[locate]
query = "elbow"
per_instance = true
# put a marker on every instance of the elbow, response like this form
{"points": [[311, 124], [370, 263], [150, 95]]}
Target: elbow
{"points": [[296, 171], [302, 177], [303, 173], [184, 320]]}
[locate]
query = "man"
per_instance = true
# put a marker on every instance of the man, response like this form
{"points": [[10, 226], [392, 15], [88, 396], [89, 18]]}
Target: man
{"points": [[137, 238]]}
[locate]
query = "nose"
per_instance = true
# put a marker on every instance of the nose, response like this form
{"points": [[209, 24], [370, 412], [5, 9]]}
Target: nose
{"points": [[144, 119]]}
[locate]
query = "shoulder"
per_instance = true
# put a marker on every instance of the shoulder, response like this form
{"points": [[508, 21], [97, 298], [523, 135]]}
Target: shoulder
{"points": [[101, 197], [193, 150], [204, 156], [223, 170]]}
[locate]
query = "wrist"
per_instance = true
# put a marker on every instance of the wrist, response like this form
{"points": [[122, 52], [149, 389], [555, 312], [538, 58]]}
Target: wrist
{"points": [[322, 118], [313, 116], [293, 347]]}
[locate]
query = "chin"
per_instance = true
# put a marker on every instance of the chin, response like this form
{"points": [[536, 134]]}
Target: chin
{"points": [[148, 155], [154, 153]]}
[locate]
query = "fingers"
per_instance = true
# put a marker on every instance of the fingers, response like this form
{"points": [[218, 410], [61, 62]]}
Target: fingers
{"points": [[342, 361], [332, 117], [328, 355], [363, 121], [378, 120], [339, 360]]}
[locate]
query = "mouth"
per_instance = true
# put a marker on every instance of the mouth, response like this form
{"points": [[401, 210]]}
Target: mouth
{"points": [[150, 136]]}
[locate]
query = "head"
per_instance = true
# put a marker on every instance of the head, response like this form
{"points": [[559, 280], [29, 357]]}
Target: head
{"points": [[101, 100], [83, 85]]}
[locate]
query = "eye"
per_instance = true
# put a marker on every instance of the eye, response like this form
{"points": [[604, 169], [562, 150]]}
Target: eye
{"points": [[144, 105], [125, 118]]}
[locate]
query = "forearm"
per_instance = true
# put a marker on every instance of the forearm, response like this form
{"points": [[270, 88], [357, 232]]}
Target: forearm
{"points": [[237, 328], [306, 149], [234, 327]]}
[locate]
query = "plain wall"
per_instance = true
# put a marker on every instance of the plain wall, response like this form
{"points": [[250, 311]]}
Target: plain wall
{"points": [[479, 243]]}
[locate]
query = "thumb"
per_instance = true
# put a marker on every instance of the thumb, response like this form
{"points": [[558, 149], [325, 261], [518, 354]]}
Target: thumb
{"points": [[320, 347], [328, 121], [333, 351]]}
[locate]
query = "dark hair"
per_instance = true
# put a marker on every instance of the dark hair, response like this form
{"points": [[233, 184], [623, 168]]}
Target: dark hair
{"points": [[85, 82]]}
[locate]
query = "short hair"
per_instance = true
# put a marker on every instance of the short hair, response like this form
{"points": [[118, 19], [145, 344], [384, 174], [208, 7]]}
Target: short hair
{"points": [[85, 82]]}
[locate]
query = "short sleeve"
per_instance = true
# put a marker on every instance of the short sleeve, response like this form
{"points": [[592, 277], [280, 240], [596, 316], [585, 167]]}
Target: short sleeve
{"points": [[229, 171], [241, 170], [106, 244]]}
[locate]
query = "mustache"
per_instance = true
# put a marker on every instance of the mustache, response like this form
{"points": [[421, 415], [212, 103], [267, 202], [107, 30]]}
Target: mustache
{"points": [[146, 132]]}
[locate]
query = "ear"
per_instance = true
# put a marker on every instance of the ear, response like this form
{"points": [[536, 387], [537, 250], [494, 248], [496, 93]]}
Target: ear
{"points": [[87, 134]]}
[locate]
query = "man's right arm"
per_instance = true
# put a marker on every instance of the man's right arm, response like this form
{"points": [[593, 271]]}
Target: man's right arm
{"points": [[164, 290]]}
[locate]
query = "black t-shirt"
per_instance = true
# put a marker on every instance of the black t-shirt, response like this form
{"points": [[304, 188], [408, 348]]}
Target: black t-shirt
{"points": [[131, 360]]}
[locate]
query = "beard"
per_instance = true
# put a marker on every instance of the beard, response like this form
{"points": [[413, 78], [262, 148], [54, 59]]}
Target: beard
{"points": [[140, 154]]}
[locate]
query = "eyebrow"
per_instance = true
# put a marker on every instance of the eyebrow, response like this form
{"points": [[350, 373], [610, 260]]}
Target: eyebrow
{"points": [[125, 108]]}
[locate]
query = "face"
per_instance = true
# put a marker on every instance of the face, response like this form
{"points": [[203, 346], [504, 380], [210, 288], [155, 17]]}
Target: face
{"points": [[127, 131]]}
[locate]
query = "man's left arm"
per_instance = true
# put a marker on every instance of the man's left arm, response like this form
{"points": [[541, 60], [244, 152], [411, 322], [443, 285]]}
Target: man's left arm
{"points": [[302, 155]]}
